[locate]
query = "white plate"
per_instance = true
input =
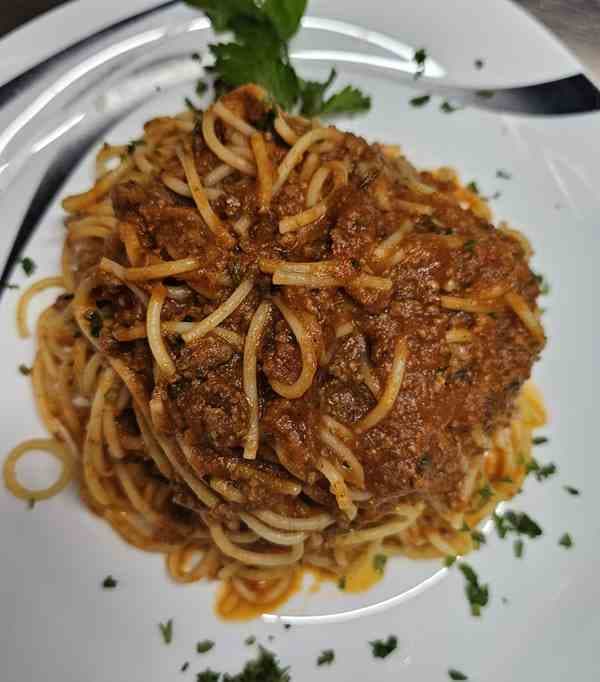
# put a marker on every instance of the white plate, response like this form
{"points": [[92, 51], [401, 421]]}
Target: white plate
{"points": [[58, 624]]}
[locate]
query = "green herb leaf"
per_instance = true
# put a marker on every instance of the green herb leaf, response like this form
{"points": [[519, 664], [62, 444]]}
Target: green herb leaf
{"points": [[201, 87], [287, 626], [313, 95], [9, 285], [486, 492], [516, 522], [326, 658], [419, 58], [479, 63], [540, 440], [478, 595], [571, 490], [31, 503], [465, 528], [566, 541], [184, 667], [382, 648], [541, 472], [133, 144], [485, 94], [347, 101], [109, 583], [503, 175], [28, 266], [518, 548], [448, 108], [379, 561], [250, 640], [456, 675], [25, 371], [449, 560], [342, 583], [204, 646], [470, 245], [265, 668], [473, 187], [208, 676], [166, 630], [542, 283], [478, 538], [420, 101]]}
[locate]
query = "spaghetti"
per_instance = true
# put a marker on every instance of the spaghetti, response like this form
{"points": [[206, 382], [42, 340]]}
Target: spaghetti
{"points": [[280, 348]]}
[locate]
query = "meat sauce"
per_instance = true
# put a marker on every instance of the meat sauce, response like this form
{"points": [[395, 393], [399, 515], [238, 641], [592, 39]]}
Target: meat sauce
{"points": [[422, 448]]}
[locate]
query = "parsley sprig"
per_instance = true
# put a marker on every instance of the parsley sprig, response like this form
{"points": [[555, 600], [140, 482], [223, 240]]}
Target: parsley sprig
{"points": [[259, 54]]}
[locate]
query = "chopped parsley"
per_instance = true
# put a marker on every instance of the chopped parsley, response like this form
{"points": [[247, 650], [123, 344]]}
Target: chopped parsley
{"points": [[420, 101], [516, 522], [166, 630], [25, 371], [478, 538], [259, 54], [342, 583], [264, 668], [540, 440], [379, 561], [192, 107], [541, 472], [566, 541], [326, 658], [449, 561], [30, 503], [184, 667], [503, 175], [470, 245], [208, 676], [571, 490], [456, 675], [28, 266], [465, 528], [479, 63], [419, 58], [486, 492], [109, 583], [473, 187], [477, 594], [543, 284], [201, 87], [204, 646], [133, 144], [382, 649], [518, 548], [250, 640], [448, 108], [485, 94], [9, 285], [196, 56], [95, 320]]}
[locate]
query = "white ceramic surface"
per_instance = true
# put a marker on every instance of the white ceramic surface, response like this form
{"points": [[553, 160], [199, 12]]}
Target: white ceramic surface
{"points": [[58, 625]]}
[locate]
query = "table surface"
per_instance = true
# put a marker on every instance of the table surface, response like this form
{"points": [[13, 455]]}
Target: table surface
{"points": [[577, 22]]}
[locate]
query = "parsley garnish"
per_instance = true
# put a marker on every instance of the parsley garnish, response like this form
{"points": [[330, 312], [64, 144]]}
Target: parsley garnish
{"points": [[540, 440], [208, 676], [420, 101], [133, 144], [192, 107], [566, 541], [479, 63], [518, 548], [470, 245], [543, 284], [456, 675], [28, 266], [166, 630], [30, 503], [571, 490], [485, 94], [201, 88], [473, 187], [8, 285], [265, 668], [184, 667], [25, 371], [382, 648], [447, 108], [478, 538], [379, 561], [541, 472], [287, 626], [204, 646], [449, 560], [326, 658], [516, 522], [503, 175], [259, 54], [342, 583], [419, 59], [478, 595], [486, 492], [95, 320], [465, 528], [109, 583], [250, 640]]}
